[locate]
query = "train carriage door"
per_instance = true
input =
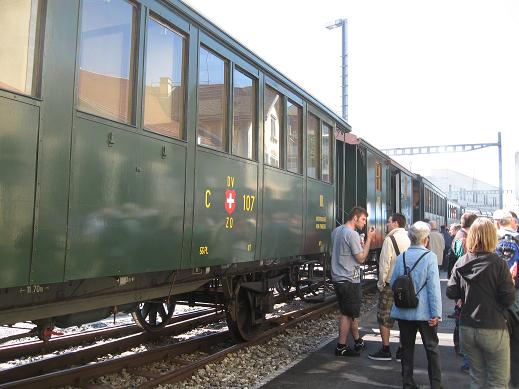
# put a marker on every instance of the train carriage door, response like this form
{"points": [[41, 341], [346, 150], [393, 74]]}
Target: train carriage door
{"points": [[129, 144], [396, 192], [226, 168], [406, 197], [20, 75], [376, 196], [282, 227]]}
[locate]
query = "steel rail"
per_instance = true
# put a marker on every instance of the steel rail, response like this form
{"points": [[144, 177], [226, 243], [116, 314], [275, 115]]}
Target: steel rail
{"points": [[80, 375], [39, 347], [288, 320], [43, 367]]}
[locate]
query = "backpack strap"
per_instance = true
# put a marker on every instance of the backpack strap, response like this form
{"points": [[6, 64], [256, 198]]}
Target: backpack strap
{"points": [[423, 286], [419, 259], [395, 246], [416, 263]]}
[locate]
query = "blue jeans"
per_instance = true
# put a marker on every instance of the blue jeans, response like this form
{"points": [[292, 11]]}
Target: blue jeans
{"points": [[488, 351]]}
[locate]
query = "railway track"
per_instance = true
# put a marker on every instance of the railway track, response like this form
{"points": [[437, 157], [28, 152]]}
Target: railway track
{"points": [[213, 347], [127, 337], [38, 347]]}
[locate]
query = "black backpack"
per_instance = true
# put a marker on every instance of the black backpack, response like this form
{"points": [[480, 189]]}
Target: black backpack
{"points": [[403, 287]]}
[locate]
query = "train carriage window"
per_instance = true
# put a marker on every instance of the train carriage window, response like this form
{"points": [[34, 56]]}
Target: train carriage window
{"points": [[244, 116], [273, 132], [313, 146], [212, 100], [378, 177], [107, 59], [20, 35], [326, 165], [165, 67], [295, 139]]}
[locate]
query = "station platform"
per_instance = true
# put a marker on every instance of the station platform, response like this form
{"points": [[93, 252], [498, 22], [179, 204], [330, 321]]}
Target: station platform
{"points": [[322, 369]]}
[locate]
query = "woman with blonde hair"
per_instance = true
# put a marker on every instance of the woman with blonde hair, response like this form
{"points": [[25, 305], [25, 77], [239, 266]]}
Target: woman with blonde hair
{"points": [[482, 280]]}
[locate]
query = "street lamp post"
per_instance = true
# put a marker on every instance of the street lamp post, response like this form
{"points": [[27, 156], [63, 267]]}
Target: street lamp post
{"points": [[344, 24]]}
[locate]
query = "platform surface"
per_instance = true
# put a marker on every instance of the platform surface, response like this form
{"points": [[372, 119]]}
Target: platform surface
{"points": [[322, 369]]}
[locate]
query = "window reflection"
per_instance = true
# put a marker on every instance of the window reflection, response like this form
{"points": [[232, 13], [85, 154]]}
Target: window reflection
{"points": [[164, 95], [244, 116], [326, 145], [106, 63], [212, 101], [294, 146], [313, 146], [19, 52], [273, 127]]}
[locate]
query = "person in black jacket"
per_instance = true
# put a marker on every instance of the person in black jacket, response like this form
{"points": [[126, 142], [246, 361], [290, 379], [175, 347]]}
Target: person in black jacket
{"points": [[482, 280]]}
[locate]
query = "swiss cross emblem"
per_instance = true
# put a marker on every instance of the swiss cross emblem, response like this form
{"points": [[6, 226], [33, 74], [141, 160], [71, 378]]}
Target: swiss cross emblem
{"points": [[230, 201]]}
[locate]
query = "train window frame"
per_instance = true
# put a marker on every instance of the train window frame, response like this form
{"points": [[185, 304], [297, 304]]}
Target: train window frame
{"points": [[133, 73], [281, 117], [378, 176], [227, 109], [154, 16], [300, 148], [255, 136], [311, 113], [331, 133], [39, 7]]}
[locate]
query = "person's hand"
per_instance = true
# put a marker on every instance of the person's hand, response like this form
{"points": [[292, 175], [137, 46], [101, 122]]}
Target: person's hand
{"points": [[459, 303], [434, 322], [371, 233]]}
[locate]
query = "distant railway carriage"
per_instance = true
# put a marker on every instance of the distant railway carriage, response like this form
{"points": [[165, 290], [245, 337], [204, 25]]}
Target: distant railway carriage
{"points": [[454, 212], [429, 202], [147, 157]]}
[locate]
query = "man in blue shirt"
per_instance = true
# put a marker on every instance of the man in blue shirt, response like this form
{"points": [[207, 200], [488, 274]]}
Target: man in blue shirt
{"points": [[425, 316], [348, 253]]}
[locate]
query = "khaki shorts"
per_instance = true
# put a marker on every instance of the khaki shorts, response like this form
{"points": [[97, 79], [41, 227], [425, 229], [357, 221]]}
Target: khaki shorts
{"points": [[385, 303]]}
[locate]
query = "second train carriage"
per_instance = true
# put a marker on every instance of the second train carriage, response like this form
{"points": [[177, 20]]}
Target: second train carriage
{"points": [[454, 212], [429, 202]]}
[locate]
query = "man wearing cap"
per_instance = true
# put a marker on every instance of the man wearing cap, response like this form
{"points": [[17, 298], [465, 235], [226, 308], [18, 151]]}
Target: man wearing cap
{"points": [[507, 248]]}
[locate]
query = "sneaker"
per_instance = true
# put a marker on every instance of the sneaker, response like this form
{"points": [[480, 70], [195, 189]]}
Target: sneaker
{"points": [[360, 345], [398, 355], [380, 355], [346, 352]]}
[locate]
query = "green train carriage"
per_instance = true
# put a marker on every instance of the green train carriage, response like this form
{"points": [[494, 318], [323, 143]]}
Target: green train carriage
{"points": [[145, 154]]}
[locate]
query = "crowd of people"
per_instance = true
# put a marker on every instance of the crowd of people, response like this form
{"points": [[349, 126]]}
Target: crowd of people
{"points": [[480, 257]]}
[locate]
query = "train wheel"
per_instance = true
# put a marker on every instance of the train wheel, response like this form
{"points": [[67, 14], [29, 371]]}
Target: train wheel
{"points": [[243, 318], [283, 286], [154, 315], [306, 283]]}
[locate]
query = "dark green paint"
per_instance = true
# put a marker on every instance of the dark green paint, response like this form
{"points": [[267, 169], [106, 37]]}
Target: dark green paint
{"points": [[282, 231], [127, 203], [317, 239], [18, 142], [227, 236], [50, 218]]}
